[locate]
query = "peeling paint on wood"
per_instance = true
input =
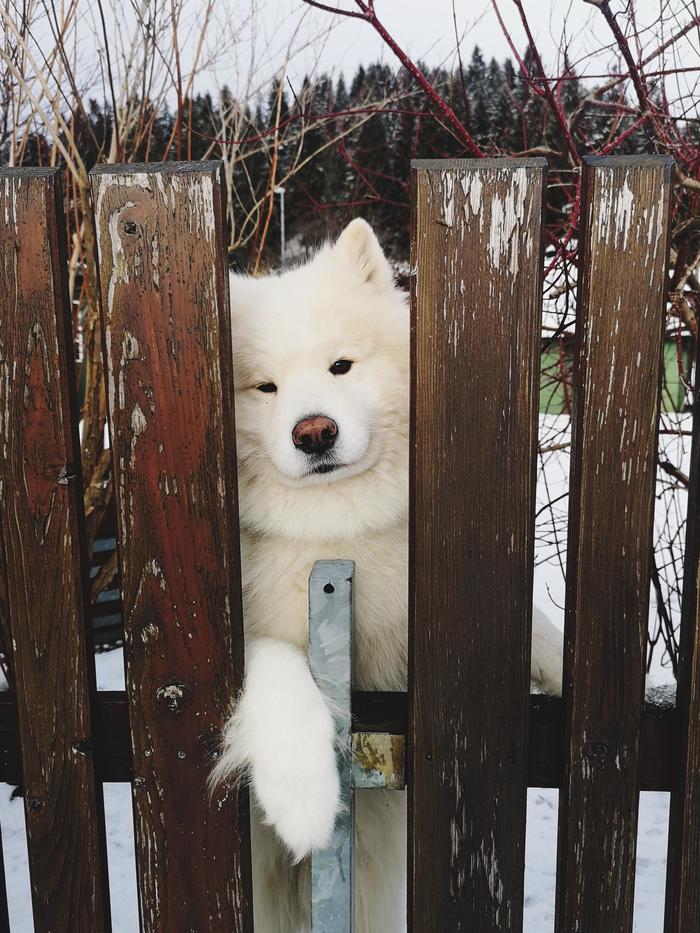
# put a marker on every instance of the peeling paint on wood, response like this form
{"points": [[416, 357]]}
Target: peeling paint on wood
{"points": [[44, 547], [616, 397], [164, 287], [472, 508]]}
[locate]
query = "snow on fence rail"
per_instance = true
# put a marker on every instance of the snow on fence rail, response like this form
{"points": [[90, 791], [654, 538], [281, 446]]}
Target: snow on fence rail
{"points": [[475, 738]]}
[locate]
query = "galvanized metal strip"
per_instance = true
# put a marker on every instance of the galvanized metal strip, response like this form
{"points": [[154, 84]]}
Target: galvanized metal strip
{"points": [[330, 660]]}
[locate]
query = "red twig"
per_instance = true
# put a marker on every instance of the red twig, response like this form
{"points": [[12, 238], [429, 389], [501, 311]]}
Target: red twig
{"points": [[554, 103], [646, 105]]}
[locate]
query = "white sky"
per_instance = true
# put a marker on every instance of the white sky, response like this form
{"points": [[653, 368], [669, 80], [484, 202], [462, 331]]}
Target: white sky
{"points": [[426, 30], [248, 40]]}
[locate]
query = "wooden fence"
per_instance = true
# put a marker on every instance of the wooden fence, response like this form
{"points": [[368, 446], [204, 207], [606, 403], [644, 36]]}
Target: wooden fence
{"points": [[475, 738]]}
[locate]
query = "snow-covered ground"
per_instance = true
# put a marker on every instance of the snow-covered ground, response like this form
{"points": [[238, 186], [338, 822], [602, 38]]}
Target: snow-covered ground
{"points": [[542, 803], [540, 860]]}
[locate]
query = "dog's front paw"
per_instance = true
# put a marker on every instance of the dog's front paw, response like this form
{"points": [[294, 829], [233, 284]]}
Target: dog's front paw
{"points": [[547, 655], [299, 792], [282, 735]]}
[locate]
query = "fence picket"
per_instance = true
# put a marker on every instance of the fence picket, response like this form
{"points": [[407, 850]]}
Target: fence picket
{"points": [[616, 397], [164, 286], [683, 863], [5, 633], [44, 547], [476, 246]]}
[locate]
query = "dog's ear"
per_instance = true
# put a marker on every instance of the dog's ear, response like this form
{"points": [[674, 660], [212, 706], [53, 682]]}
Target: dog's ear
{"points": [[358, 245]]}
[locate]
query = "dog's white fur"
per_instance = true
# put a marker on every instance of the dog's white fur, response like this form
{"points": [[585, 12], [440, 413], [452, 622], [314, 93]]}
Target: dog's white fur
{"points": [[288, 330]]}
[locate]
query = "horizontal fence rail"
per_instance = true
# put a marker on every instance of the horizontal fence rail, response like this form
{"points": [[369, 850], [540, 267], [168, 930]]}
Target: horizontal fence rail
{"points": [[379, 724]]}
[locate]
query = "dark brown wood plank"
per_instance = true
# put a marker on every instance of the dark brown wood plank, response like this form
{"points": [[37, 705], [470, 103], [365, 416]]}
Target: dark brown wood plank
{"points": [[683, 862], [619, 333], [164, 286], [476, 335], [5, 632], [44, 549]]}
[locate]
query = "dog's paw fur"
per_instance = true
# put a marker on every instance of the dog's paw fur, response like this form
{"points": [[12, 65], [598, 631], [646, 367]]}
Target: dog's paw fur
{"points": [[546, 659], [282, 736]]}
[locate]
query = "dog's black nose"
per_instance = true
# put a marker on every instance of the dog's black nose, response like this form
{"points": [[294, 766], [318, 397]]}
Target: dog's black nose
{"points": [[315, 435]]}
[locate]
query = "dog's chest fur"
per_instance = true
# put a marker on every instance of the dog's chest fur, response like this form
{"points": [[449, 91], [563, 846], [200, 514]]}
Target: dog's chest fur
{"points": [[275, 596]]}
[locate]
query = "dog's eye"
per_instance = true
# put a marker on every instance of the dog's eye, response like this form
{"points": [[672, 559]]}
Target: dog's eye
{"points": [[340, 367], [266, 387]]}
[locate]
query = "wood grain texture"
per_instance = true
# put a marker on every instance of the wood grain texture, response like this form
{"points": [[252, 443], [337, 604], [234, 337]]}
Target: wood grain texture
{"points": [[44, 549], [164, 287], [5, 631], [683, 862], [616, 397], [476, 254]]}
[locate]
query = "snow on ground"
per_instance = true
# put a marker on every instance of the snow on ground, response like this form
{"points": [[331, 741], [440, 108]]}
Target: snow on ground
{"points": [[541, 854], [540, 860], [542, 802]]}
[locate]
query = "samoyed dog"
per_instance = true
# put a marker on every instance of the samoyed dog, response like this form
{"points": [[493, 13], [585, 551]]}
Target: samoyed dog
{"points": [[321, 360]]}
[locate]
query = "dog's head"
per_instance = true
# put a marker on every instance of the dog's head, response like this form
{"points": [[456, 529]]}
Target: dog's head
{"points": [[321, 372]]}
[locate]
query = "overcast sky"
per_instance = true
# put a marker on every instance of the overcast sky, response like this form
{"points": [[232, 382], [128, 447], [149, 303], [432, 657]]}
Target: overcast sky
{"points": [[247, 40], [426, 30]]}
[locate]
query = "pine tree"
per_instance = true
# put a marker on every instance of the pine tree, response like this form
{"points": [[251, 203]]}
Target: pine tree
{"points": [[495, 87], [357, 87]]}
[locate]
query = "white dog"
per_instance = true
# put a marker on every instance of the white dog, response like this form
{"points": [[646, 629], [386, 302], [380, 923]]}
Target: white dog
{"points": [[322, 386]]}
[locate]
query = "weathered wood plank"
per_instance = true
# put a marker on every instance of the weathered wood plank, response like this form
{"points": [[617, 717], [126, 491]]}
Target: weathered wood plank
{"points": [[476, 252], [683, 862], [44, 549], [616, 398], [5, 631], [164, 287]]}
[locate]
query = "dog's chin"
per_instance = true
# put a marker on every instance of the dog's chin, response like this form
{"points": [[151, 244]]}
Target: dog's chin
{"points": [[328, 471], [324, 468]]}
